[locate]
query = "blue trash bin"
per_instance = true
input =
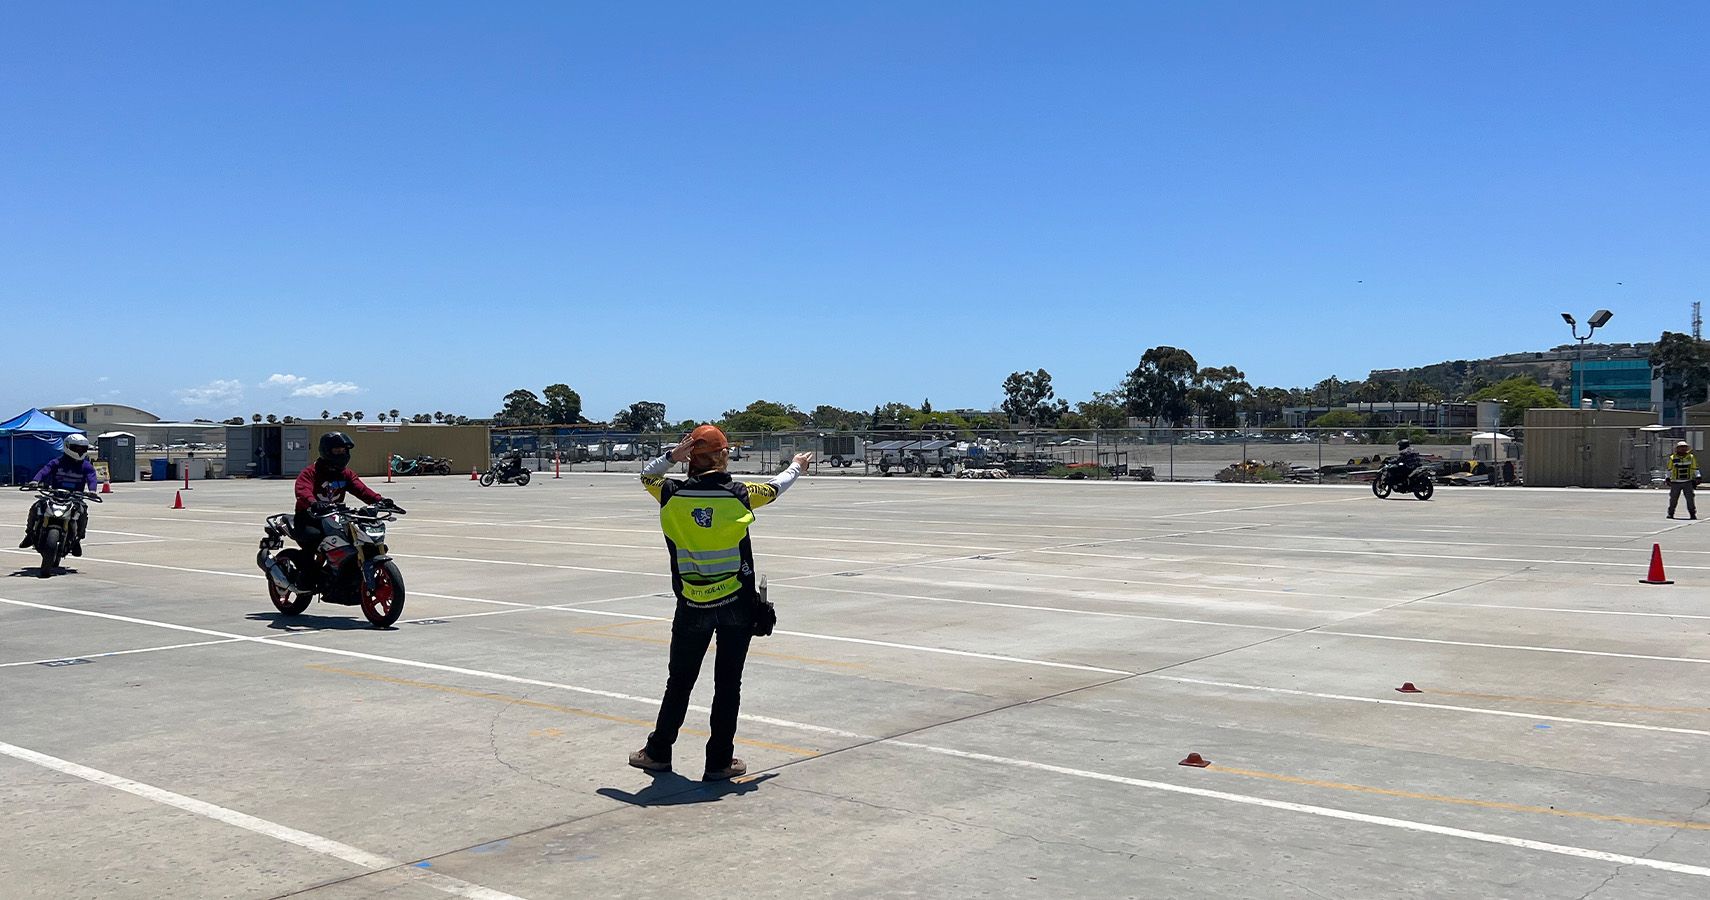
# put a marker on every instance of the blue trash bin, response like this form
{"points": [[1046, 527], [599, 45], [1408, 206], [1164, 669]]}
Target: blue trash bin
{"points": [[160, 469]]}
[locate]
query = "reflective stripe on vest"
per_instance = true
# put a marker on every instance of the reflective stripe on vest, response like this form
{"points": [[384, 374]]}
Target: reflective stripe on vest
{"points": [[1682, 467], [706, 528]]}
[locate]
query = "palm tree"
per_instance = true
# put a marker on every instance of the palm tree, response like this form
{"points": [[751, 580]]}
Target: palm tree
{"points": [[256, 418], [358, 415], [394, 415], [325, 414]]}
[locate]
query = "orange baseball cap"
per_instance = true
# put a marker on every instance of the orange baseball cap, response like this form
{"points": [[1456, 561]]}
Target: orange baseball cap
{"points": [[708, 439]]}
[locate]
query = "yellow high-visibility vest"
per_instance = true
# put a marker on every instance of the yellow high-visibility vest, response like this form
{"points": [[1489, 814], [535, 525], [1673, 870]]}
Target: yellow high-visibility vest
{"points": [[706, 530]]}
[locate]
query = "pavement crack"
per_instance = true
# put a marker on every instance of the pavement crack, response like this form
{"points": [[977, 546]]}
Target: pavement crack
{"points": [[1125, 854]]}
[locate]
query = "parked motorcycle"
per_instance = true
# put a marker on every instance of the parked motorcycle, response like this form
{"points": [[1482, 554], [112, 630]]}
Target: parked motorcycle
{"points": [[420, 465], [502, 475], [1419, 482], [350, 567], [59, 510]]}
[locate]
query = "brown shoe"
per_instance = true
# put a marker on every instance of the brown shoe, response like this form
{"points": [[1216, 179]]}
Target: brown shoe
{"points": [[641, 760], [736, 769]]}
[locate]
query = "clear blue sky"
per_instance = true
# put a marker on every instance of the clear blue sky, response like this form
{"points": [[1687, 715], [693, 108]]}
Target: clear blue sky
{"points": [[425, 205]]}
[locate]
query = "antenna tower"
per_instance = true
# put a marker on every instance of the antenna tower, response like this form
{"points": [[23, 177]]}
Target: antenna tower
{"points": [[1697, 320]]}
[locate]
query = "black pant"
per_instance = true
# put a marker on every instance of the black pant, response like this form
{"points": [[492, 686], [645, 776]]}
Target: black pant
{"points": [[691, 631], [1677, 488]]}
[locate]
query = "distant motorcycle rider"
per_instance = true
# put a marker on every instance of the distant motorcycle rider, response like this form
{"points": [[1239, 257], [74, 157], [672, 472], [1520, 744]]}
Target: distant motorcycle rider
{"points": [[511, 464], [321, 488], [71, 471], [1406, 460]]}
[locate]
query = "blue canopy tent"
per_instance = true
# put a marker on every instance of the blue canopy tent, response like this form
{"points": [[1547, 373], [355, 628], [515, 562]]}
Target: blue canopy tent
{"points": [[28, 442]]}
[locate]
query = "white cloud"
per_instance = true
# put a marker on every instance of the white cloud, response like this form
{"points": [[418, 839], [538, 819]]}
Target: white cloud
{"points": [[101, 379], [277, 380], [325, 389], [225, 390]]}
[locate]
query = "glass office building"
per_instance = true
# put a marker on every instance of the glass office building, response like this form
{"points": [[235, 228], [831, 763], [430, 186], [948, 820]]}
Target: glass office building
{"points": [[1628, 382]]}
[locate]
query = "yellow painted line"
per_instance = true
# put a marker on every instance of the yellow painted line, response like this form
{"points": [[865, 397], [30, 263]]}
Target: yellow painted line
{"points": [[1465, 801], [537, 704], [1597, 703], [598, 631]]}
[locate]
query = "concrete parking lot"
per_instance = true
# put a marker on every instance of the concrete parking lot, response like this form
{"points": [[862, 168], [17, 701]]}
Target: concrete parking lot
{"points": [[976, 689]]}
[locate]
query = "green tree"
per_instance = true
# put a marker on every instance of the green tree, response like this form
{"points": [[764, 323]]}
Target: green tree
{"points": [[763, 415], [325, 414], [1157, 389], [1219, 394], [563, 405], [645, 417], [522, 407], [357, 415], [256, 418], [1026, 396], [272, 419], [1341, 418], [393, 414], [1104, 410], [893, 415], [834, 419], [1683, 364], [1518, 394]]}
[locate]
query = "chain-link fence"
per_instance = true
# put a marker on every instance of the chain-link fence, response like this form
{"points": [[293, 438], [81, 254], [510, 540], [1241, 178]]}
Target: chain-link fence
{"points": [[1584, 455]]}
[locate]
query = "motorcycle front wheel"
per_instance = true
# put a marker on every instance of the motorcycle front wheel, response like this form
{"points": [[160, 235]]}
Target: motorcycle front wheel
{"points": [[1380, 488], [49, 547], [487, 479], [385, 603]]}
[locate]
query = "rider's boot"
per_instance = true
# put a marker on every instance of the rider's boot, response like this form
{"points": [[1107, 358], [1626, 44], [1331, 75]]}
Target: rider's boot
{"points": [[29, 540]]}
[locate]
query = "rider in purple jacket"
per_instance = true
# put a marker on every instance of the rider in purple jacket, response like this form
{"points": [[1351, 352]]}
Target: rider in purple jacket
{"points": [[70, 471]]}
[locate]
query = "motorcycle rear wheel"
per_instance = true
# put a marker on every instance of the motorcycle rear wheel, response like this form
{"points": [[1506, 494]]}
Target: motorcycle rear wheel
{"points": [[383, 605], [522, 477], [1425, 491], [286, 602], [49, 547]]}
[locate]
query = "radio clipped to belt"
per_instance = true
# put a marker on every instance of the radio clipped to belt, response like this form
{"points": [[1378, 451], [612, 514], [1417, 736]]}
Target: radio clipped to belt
{"points": [[765, 614]]}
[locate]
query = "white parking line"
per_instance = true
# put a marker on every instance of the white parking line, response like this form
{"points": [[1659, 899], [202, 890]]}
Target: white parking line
{"points": [[1559, 609], [1534, 717], [1164, 787], [1419, 640], [37, 662], [312, 842]]}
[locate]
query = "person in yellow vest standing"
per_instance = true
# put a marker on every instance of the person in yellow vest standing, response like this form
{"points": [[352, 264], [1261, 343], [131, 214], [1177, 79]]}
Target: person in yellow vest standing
{"points": [[1682, 479], [706, 519]]}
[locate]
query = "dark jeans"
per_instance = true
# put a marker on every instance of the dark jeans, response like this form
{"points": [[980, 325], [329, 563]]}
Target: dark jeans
{"points": [[691, 631]]}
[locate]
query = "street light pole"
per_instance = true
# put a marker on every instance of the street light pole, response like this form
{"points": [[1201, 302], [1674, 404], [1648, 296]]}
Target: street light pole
{"points": [[1598, 320]]}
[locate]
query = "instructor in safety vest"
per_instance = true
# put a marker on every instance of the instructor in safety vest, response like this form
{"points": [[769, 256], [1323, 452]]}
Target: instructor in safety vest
{"points": [[706, 519], [1682, 479]]}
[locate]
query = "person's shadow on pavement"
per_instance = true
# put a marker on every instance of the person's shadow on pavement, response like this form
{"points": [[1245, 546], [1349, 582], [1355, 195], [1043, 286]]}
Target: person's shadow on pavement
{"points": [[672, 789]]}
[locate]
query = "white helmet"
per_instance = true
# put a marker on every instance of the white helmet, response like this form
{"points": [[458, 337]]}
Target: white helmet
{"points": [[76, 446]]}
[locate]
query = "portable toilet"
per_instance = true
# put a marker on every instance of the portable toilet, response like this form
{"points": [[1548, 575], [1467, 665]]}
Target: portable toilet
{"points": [[119, 452]]}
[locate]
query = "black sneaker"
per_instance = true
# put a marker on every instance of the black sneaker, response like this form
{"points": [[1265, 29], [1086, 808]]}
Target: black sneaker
{"points": [[641, 760], [28, 541], [76, 547]]}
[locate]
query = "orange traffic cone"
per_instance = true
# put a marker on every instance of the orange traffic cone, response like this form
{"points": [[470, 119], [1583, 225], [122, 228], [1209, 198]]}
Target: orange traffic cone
{"points": [[1656, 576], [1196, 761], [177, 499], [106, 487], [472, 475]]}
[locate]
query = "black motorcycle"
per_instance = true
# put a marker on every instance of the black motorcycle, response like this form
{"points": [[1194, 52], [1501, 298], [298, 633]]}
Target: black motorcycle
{"points": [[57, 513], [505, 473], [350, 566], [1390, 478]]}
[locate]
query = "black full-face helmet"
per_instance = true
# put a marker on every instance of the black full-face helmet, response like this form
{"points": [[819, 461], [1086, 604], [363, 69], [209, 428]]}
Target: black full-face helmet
{"points": [[335, 449], [1403, 444]]}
